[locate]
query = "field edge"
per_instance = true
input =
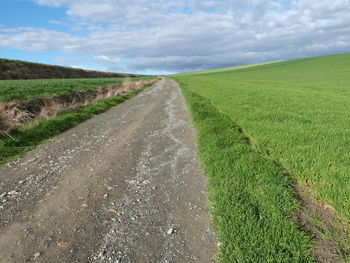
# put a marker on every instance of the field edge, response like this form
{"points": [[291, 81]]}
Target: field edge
{"points": [[236, 213]]}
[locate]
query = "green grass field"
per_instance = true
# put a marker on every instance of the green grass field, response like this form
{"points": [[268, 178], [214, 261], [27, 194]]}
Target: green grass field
{"points": [[24, 89], [296, 114]]}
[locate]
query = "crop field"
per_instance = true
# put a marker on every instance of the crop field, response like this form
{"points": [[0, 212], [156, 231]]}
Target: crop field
{"points": [[262, 132], [24, 89]]}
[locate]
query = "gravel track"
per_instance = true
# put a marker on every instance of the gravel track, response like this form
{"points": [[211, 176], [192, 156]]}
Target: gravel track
{"points": [[124, 186]]}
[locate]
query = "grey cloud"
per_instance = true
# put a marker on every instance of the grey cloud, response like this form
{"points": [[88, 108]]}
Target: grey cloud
{"points": [[178, 36]]}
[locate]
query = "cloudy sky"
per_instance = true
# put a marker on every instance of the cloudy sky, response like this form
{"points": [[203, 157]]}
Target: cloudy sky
{"points": [[168, 36]]}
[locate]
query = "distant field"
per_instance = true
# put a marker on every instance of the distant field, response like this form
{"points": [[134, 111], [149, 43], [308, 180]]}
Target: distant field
{"points": [[24, 89], [294, 113], [220, 69]]}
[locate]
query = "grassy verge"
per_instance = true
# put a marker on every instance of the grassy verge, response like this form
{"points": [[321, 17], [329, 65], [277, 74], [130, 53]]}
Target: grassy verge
{"points": [[251, 200], [26, 139]]}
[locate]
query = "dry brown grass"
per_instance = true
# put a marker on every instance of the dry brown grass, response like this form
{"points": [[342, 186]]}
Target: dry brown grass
{"points": [[21, 112]]}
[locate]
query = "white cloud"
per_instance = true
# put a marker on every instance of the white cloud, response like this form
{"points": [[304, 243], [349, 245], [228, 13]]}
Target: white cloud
{"points": [[55, 22], [106, 59], [101, 68], [169, 35], [62, 60]]}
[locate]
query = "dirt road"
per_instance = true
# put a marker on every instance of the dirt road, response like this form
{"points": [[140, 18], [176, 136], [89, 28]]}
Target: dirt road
{"points": [[124, 186]]}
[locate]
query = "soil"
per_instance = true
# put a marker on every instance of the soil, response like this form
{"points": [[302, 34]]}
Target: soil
{"points": [[321, 220], [124, 186]]}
